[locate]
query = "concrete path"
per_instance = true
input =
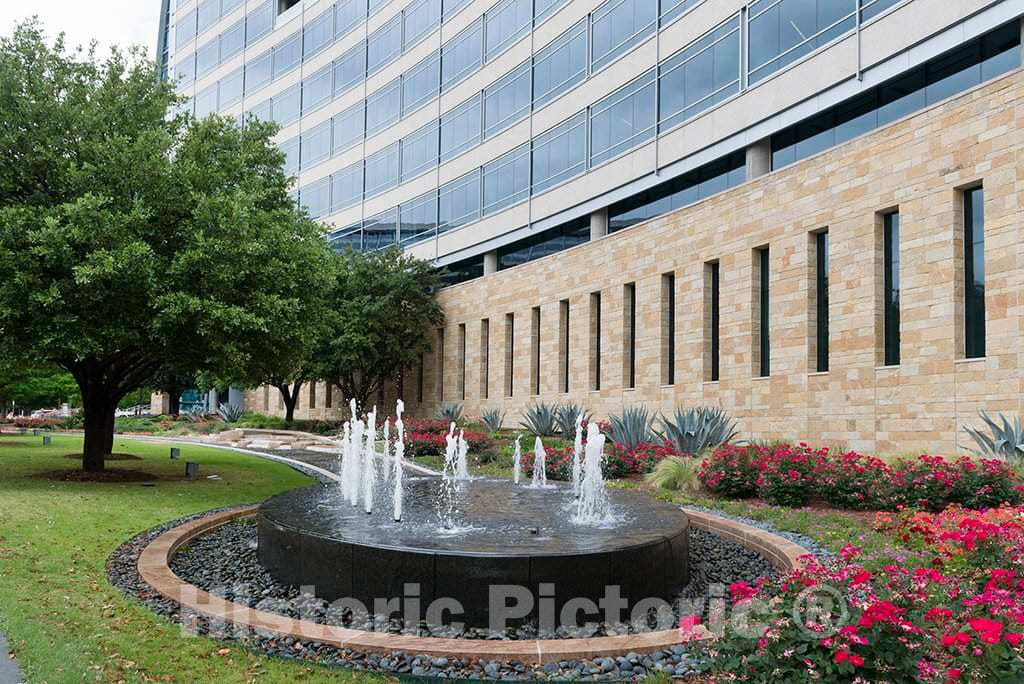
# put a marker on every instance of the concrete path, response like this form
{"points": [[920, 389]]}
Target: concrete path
{"points": [[9, 672]]}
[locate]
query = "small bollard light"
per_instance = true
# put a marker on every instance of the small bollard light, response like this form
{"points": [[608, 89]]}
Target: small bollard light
{"points": [[46, 440], [191, 470], [175, 453]]}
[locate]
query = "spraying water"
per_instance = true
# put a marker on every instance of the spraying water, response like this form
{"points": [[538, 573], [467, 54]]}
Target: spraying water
{"points": [[462, 460], [386, 471], [517, 459], [540, 474], [369, 471], [449, 484], [577, 456], [593, 507], [343, 462], [399, 456]]}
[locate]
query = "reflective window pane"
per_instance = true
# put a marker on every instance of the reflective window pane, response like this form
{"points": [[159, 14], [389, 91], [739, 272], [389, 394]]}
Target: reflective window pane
{"points": [[259, 22], [461, 55], [560, 153], [287, 54], [418, 219], [206, 102], [384, 107], [316, 198], [349, 127], [618, 25], [207, 58], [460, 128], [185, 30], [316, 145], [288, 105], [701, 75], [231, 88], [561, 65], [258, 72], [382, 170], [421, 83], [507, 180], [318, 34], [622, 120], [384, 45], [349, 69], [419, 151], [459, 202], [507, 101], [380, 231], [783, 31], [232, 41], [420, 19], [347, 14], [317, 90], [347, 187], [507, 22], [209, 13], [291, 156]]}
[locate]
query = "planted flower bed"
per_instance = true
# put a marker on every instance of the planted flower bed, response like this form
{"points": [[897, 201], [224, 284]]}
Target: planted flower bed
{"points": [[945, 605], [789, 475]]}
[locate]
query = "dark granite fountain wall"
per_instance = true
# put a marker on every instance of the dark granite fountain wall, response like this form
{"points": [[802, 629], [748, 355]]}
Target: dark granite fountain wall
{"points": [[505, 535]]}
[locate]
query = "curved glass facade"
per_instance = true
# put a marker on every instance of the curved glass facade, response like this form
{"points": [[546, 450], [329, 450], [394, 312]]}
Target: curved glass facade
{"points": [[464, 122]]}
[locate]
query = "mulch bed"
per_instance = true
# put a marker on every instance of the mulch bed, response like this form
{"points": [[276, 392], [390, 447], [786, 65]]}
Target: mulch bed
{"points": [[111, 475], [109, 457]]}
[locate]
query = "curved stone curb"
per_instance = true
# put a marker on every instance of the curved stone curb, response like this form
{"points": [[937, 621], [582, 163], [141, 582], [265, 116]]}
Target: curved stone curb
{"points": [[783, 554], [153, 566]]}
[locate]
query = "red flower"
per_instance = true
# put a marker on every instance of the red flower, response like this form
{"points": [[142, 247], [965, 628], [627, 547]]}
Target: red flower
{"points": [[989, 631]]}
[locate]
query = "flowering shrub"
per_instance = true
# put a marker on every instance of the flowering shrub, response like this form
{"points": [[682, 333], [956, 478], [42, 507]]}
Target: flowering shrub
{"points": [[422, 425], [958, 616], [731, 471], [793, 475], [37, 423], [855, 481], [789, 475], [620, 461], [933, 483], [418, 444]]}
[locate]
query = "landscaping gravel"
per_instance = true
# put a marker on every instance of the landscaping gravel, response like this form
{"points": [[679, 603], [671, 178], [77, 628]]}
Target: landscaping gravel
{"points": [[804, 541]]}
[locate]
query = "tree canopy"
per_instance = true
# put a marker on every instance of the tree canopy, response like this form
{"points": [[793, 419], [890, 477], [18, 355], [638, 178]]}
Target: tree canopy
{"points": [[133, 238], [383, 312]]}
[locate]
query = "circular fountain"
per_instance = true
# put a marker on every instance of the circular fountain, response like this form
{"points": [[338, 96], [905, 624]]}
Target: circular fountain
{"points": [[501, 535], [489, 551]]}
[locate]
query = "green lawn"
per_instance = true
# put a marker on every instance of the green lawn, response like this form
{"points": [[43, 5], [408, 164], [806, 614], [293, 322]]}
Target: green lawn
{"points": [[64, 621]]}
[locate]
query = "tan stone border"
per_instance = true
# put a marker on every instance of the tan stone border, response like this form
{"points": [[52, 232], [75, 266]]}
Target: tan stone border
{"points": [[155, 571]]}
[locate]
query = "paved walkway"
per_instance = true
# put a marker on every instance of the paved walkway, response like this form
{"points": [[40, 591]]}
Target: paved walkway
{"points": [[9, 672]]}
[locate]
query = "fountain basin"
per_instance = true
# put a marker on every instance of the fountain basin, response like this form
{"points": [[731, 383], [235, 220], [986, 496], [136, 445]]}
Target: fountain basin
{"points": [[504, 535]]}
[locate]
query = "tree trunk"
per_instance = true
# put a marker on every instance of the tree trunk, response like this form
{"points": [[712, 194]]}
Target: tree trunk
{"points": [[174, 403], [291, 399], [99, 431]]}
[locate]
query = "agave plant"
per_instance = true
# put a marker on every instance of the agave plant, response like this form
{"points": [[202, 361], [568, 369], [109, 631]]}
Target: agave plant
{"points": [[677, 473], [450, 412], [634, 427], [694, 430], [1006, 440], [493, 419], [566, 418], [541, 420], [230, 413]]}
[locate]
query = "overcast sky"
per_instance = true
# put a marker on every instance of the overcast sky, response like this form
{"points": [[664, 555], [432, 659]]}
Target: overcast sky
{"points": [[124, 22]]}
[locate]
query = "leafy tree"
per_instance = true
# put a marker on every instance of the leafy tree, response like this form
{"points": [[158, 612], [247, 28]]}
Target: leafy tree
{"points": [[383, 311], [30, 388], [132, 239]]}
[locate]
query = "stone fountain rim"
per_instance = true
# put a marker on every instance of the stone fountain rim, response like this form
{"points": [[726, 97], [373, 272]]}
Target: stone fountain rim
{"points": [[154, 569], [511, 554]]}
